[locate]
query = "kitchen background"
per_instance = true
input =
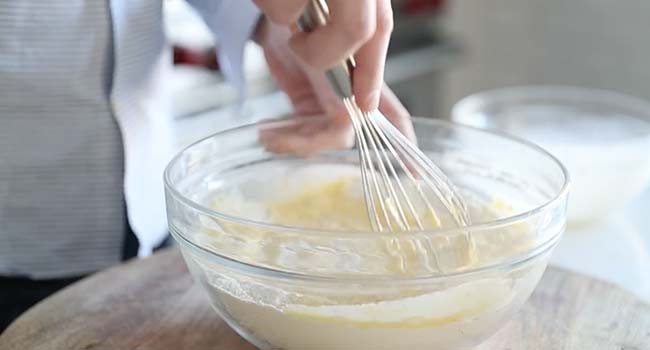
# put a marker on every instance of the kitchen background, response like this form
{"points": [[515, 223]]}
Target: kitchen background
{"points": [[444, 50]]}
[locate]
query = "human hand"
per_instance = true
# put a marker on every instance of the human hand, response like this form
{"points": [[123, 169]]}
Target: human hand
{"points": [[311, 95], [358, 28]]}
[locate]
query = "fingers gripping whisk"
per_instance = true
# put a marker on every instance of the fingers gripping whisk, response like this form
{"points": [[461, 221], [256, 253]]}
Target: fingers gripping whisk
{"points": [[401, 185]]}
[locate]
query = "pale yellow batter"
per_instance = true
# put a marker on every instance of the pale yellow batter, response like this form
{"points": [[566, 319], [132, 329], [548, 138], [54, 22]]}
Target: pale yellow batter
{"points": [[330, 205], [311, 318]]}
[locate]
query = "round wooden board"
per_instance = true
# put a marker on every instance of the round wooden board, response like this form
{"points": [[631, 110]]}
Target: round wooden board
{"points": [[154, 304]]}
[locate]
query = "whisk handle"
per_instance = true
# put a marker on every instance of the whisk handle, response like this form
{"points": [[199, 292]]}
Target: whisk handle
{"points": [[339, 76]]}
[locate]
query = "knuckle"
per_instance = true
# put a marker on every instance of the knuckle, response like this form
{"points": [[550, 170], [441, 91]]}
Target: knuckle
{"points": [[307, 56], [359, 30], [385, 23]]}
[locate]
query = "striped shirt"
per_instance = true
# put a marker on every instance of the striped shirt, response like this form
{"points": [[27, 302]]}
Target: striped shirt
{"points": [[84, 126]]}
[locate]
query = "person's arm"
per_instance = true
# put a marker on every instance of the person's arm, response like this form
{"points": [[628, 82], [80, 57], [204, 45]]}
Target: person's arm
{"points": [[233, 23]]}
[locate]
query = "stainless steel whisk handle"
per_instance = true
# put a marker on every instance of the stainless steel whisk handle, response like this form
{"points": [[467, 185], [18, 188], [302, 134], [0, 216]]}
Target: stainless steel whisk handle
{"points": [[339, 76]]}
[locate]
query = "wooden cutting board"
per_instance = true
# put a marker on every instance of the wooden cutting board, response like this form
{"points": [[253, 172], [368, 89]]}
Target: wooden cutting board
{"points": [[154, 304]]}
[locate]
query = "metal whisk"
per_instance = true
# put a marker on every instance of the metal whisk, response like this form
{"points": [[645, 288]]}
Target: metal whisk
{"points": [[400, 183]]}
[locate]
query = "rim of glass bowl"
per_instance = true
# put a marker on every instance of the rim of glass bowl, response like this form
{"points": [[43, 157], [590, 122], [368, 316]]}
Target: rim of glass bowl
{"points": [[267, 271], [468, 104]]}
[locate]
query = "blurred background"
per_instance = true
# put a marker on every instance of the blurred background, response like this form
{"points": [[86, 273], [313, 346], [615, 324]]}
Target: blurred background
{"points": [[444, 50]]}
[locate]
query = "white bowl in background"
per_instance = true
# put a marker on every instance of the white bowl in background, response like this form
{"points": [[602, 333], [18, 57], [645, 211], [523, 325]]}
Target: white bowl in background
{"points": [[602, 137]]}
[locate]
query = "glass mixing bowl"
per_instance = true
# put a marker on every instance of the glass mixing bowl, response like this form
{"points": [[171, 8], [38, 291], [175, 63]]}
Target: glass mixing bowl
{"points": [[296, 288]]}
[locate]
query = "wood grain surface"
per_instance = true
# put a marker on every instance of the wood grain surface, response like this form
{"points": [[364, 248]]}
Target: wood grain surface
{"points": [[154, 304]]}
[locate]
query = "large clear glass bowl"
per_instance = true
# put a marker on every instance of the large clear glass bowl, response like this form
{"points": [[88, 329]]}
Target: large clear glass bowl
{"points": [[296, 288]]}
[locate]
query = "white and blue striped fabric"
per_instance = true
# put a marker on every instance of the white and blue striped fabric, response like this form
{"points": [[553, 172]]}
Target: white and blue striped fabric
{"points": [[84, 126]]}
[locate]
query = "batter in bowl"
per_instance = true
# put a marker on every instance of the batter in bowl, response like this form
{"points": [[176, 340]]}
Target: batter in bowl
{"points": [[314, 317]]}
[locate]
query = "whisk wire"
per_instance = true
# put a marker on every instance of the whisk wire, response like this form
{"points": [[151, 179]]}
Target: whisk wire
{"points": [[388, 203], [368, 177], [436, 179], [392, 202], [389, 157], [407, 170]]}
